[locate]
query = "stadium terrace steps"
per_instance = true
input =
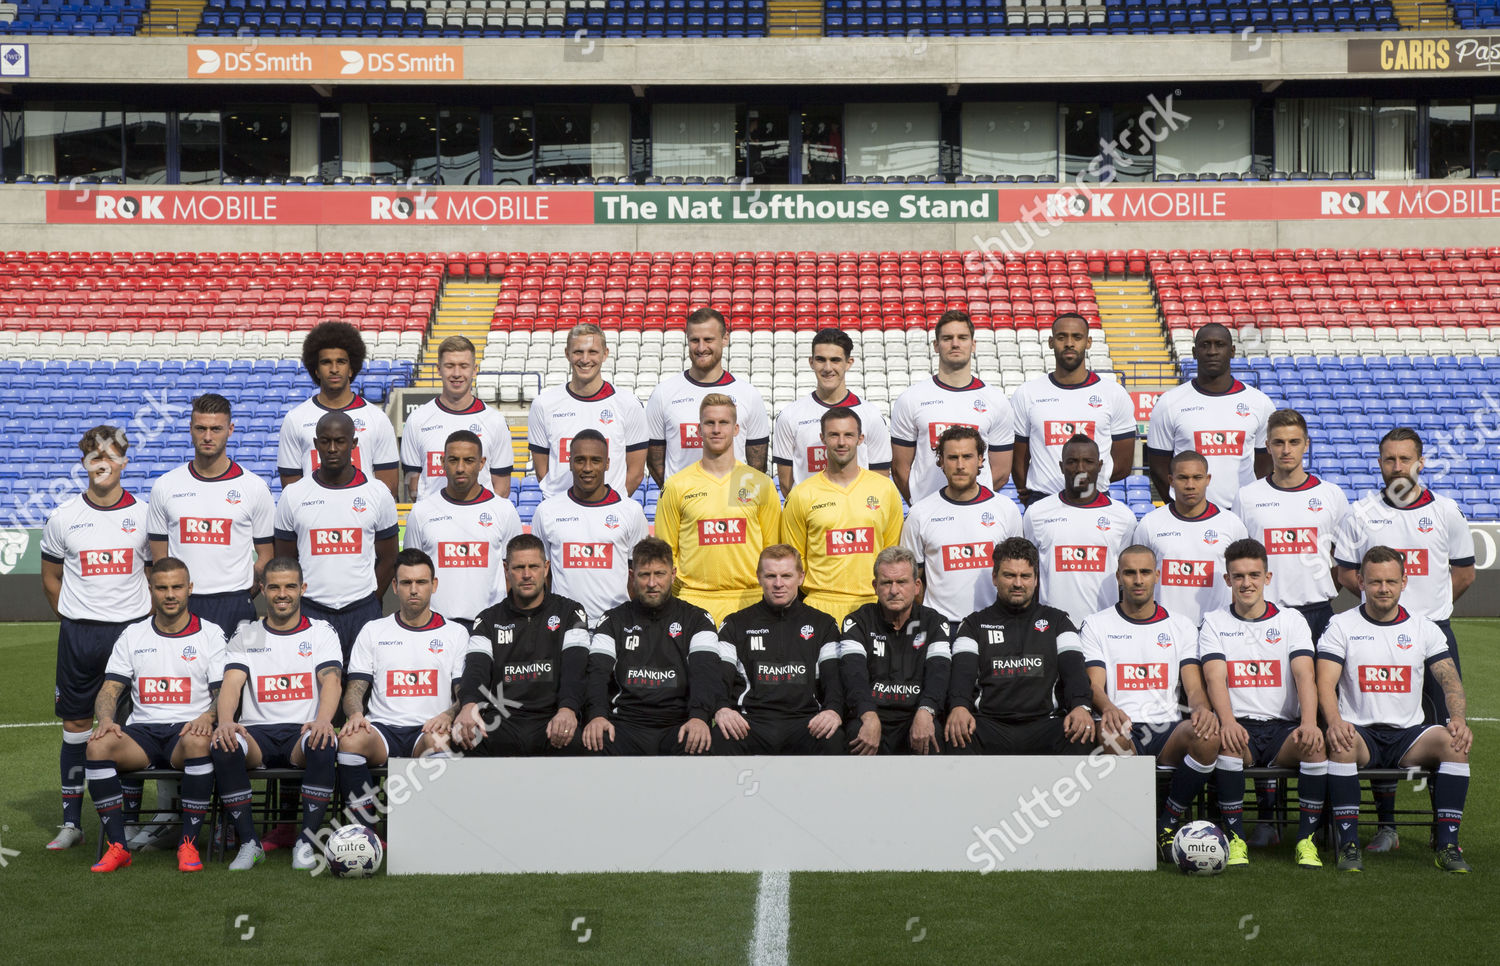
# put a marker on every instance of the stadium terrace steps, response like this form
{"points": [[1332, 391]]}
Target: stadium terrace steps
{"points": [[170, 18], [1132, 323], [1423, 14], [463, 308], [794, 18]]}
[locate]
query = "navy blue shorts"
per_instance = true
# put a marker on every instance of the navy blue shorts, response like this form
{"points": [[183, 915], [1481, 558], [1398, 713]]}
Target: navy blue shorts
{"points": [[226, 610], [1389, 745], [276, 742], [400, 740], [83, 649], [1266, 739], [1151, 739], [158, 741], [348, 621], [1317, 617]]}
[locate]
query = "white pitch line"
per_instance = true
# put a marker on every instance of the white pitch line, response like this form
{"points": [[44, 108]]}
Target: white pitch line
{"points": [[33, 724], [772, 919]]}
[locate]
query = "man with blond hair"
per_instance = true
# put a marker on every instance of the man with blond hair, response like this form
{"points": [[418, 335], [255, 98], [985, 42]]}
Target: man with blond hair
{"points": [[425, 435]]}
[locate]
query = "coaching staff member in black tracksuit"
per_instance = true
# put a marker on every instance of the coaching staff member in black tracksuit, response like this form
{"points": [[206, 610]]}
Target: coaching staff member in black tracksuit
{"points": [[1018, 684], [527, 654], [654, 672], [786, 693]]}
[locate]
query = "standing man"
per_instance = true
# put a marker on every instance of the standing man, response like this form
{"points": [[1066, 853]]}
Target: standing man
{"points": [[953, 531], [672, 411], [783, 657], [333, 355], [527, 654], [1018, 685], [655, 677], [1189, 536], [800, 451], [954, 396], [426, 431], [464, 528], [1137, 654], [589, 530], [216, 518], [341, 527], [1431, 534], [1071, 400], [1369, 664], [1214, 414], [716, 515], [94, 556], [286, 674], [586, 402], [840, 518], [1078, 533], [896, 656]]}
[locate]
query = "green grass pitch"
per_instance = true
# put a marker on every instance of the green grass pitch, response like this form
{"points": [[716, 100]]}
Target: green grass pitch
{"points": [[55, 911]]}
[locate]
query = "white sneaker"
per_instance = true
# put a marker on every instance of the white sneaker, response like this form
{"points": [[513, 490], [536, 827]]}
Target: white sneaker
{"points": [[304, 858], [250, 855], [160, 834], [67, 837]]}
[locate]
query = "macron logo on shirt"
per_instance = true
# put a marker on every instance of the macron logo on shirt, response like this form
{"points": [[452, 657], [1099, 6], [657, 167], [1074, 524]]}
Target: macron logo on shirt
{"points": [[1220, 442], [283, 687], [212, 530], [1059, 431], [166, 690], [105, 563], [336, 540]]}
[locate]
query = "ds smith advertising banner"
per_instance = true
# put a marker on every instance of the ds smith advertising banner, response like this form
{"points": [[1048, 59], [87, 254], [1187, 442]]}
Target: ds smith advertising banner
{"points": [[312, 62], [893, 205]]}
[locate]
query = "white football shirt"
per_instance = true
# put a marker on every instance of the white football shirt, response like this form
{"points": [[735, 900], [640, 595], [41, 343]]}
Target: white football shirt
{"points": [[1297, 527], [1431, 534], [377, 440], [169, 675], [672, 417], [466, 541], [557, 415], [923, 411], [1384, 665], [411, 670], [588, 546], [1225, 428], [1190, 557], [103, 552], [1258, 659], [425, 434], [1079, 546], [1142, 661], [1049, 414], [799, 436], [955, 543], [336, 528], [212, 525], [281, 670]]}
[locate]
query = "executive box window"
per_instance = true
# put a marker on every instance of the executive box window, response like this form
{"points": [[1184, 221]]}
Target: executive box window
{"points": [[892, 139], [1486, 136], [514, 147], [765, 145], [1323, 135], [576, 141], [822, 145], [1449, 127], [1395, 139], [146, 147], [1214, 139], [257, 142], [458, 146], [403, 142], [1009, 138], [693, 140], [72, 140], [198, 147]]}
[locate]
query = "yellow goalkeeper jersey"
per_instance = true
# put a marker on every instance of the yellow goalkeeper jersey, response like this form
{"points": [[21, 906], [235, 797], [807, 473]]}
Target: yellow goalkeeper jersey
{"points": [[840, 530], [718, 527]]}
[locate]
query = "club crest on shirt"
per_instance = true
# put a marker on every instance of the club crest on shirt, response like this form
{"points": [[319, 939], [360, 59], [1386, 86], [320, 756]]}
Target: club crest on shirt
{"points": [[189, 653], [979, 406], [747, 494], [872, 503], [1240, 409], [806, 632], [674, 630], [611, 522], [127, 525], [476, 430], [1041, 624], [606, 416], [919, 640], [1095, 402], [435, 645], [1403, 641], [1210, 537], [1314, 504], [1424, 525], [232, 497], [554, 622], [304, 649], [359, 424], [1102, 524], [359, 504], [1164, 640], [1273, 635]]}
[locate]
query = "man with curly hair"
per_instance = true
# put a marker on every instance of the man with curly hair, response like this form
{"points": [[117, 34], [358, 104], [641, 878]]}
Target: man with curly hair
{"points": [[333, 354]]}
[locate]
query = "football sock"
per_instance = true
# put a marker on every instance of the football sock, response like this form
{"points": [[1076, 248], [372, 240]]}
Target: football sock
{"points": [[1450, 787], [72, 762], [1343, 798], [197, 788], [1188, 780], [317, 789], [234, 791], [1265, 798], [133, 790], [1385, 801], [104, 789], [1229, 783], [356, 785], [1312, 787]]}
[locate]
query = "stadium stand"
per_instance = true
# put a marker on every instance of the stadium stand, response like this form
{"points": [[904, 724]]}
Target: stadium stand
{"points": [[1477, 14], [44, 17]]}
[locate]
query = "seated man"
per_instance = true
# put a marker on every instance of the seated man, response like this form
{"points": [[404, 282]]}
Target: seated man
{"points": [[1372, 662], [409, 665], [172, 663], [1018, 684], [288, 670], [1257, 662], [783, 658], [522, 687], [895, 656], [1137, 654], [654, 673]]}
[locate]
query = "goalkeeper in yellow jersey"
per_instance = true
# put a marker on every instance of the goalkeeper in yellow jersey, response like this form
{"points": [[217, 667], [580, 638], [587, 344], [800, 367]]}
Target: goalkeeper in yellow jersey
{"points": [[717, 515]]}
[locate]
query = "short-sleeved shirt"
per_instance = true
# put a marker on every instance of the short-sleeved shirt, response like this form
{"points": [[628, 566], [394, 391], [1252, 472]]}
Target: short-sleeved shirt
{"points": [[103, 552], [557, 415], [424, 438], [1297, 526], [1384, 665], [1079, 546], [921, 414], [1190, 557], [840, 530], [466, 541], [212, 524], [411, 670], [336, 529], [955, 544], [1431, 534], [1048, 414], [1142, 660], [1225, 428], [281, 669], [169, 675], [799, 436], [718, 527], [672, 417], [589, 545], [1257, 655], [377, 439]]}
